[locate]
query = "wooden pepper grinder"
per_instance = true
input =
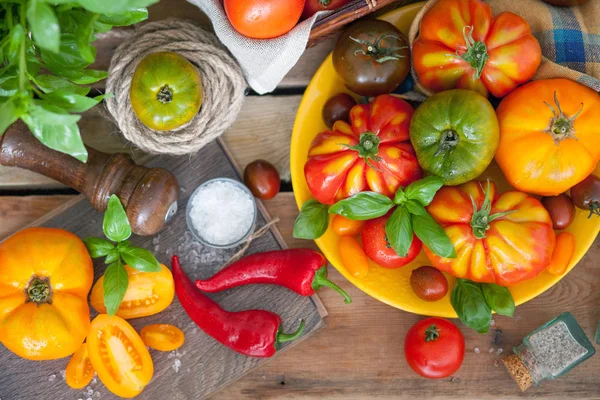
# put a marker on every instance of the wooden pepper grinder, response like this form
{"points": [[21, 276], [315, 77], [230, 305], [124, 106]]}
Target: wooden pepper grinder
{"points": [[149, 195]]}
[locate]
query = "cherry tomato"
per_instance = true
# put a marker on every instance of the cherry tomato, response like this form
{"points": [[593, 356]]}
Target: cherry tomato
{"points": [[338, 108], [262, 179], [563, 251], [372, 57], [313, 6], [163, 337], [148, 293], [119, 356], [434, 348], [343, 226], [79, 370], [429, 283], [263, 19], [561, 210], [586, 194], [378, 249], [353, 257]]}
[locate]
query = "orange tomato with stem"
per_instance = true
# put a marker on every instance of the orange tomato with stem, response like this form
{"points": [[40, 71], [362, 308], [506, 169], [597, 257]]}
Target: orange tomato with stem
{"points": [[162, 337], [461, 45], [263, 19], [548, 135], [353, 257], [79, 370]]}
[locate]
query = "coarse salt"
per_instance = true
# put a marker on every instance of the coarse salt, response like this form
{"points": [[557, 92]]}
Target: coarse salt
{"points": [[222, 213]]}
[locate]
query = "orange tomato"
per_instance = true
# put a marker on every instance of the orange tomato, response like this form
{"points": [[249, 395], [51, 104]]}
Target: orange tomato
{"points": [[353, 257], [502, 239], [79, 370], [163, 337], [563, 251], [263, 19], [119, 356], [548, 135], [343, 226], [148, 293], [45, 277]]}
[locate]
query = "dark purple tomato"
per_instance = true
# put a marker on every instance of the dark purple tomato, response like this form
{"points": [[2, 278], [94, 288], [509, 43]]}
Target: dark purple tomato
{"points": [[586, 194], [338, 108], [262, 178], [561, 210]]}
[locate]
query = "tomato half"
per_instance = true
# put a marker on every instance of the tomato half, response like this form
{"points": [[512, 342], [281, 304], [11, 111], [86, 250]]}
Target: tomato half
{"points": [[434, 348], [166, 91], [378, 248], [79, 370], [263, 19], [119, 356], [162, 337], [148, 293]]}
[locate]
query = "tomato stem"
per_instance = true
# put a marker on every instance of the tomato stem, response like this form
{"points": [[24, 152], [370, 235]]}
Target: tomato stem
{"points": [[324, 3], [431, 333], [165, 94], [448, 141], [367, 147], [476, 53], [376, 52], [561, 125], [594, 209], [480, 222], [38, 290]]}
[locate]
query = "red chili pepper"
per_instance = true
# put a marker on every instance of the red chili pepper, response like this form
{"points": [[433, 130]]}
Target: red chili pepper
{"points": [[301, 270], [255, 333]]}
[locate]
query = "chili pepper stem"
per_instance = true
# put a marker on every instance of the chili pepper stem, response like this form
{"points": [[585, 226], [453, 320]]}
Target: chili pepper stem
{"points": [[321, 280], [288, 337]]}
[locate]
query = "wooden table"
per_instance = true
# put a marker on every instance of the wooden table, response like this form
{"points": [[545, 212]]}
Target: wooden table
{"points": [[360, 353]]}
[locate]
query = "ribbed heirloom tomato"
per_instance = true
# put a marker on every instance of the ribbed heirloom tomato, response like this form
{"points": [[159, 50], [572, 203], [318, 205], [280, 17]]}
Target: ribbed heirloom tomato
{"points": [[373, 152], [460, 45], [263, 19]]}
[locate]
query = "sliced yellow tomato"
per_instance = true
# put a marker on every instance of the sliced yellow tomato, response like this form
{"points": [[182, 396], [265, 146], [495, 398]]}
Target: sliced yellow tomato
{"points": [[163, 337], [148, 293], [119, 356], [79, 370]]}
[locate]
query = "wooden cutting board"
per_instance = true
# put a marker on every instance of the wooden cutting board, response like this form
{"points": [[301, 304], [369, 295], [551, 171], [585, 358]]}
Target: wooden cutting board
{"points": [[202, 366]]}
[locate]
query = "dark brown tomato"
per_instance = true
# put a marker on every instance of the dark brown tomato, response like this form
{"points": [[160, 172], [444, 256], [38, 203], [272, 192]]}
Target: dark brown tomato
{"points": [[262, 179], [428, 283], [586, 194], [338, 108], [561, 210], [372, 57]]}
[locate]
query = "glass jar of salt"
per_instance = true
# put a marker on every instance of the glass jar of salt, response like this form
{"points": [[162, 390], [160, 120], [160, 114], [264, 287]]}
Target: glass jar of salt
{"points": [[549, 352]]}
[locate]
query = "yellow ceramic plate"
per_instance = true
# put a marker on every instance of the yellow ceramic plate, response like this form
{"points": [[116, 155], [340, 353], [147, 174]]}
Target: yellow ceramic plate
{"points": [[392, 286]]}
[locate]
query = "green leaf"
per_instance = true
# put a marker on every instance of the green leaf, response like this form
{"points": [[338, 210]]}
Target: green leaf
{"points": [[469, 303], [140, 259], [424, 189], [499, 299], [51, 114], [114, 6], [44, 25], [17, 36], [129, 17], [312, 221], [400, 197], [415, 207], [112, 256], [50, 83], [115, 286], [8, 115], [116, 225], [98, 247], [363, 206], [81, 77], [399, 231], [433, 236], [73, 102]]}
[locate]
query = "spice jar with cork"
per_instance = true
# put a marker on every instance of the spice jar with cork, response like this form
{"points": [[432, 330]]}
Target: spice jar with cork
{"points": [[550, 351]]}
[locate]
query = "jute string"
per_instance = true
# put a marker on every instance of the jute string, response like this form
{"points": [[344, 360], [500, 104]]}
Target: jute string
{"points": [[255, 235], [222, 80]]}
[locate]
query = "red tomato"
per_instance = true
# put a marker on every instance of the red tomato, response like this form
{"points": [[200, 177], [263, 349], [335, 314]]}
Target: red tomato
{"points": [[378, 249], [313, 6], [434, 348], [263, 19]]}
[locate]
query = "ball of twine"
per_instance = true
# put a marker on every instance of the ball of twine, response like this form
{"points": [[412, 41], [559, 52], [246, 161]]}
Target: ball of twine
{"points": [[222, 80]]}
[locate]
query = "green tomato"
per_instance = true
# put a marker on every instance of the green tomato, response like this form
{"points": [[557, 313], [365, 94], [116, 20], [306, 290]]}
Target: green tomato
{"points": [[455, 135], [166, 91]]}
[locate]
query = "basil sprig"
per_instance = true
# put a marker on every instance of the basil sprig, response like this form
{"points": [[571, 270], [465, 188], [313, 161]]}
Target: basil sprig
{"points": [[312, 221], [409, 216], [474, 302], [116, 227]]}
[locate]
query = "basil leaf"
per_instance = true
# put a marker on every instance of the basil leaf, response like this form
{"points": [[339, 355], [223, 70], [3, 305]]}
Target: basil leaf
{"points": [[363, 206], [113, 6], [112, 256], [424, 189], [8, 115], [312, 221], [17, 36], [399, 232], [414, 207], [116, 226], [51, 114], [81, 77], [400, 196], [469, 303], [433, 236], [126, 18], [499, 299], [98, 247], [50, 83], [140, 259], [73, 102], [44, 25], [68, 59], [115, 286]]}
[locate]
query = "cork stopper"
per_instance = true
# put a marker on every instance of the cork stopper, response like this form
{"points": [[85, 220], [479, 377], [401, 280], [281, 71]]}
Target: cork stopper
{"points": [[518, 371]]}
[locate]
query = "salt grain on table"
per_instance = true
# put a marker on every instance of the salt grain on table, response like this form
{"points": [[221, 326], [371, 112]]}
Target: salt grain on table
{"points": [[51, 378], [176, 365], [476, 350]]}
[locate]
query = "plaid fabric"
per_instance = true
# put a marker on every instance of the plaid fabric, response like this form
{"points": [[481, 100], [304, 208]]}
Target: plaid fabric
{"points": [[569, 37]]}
